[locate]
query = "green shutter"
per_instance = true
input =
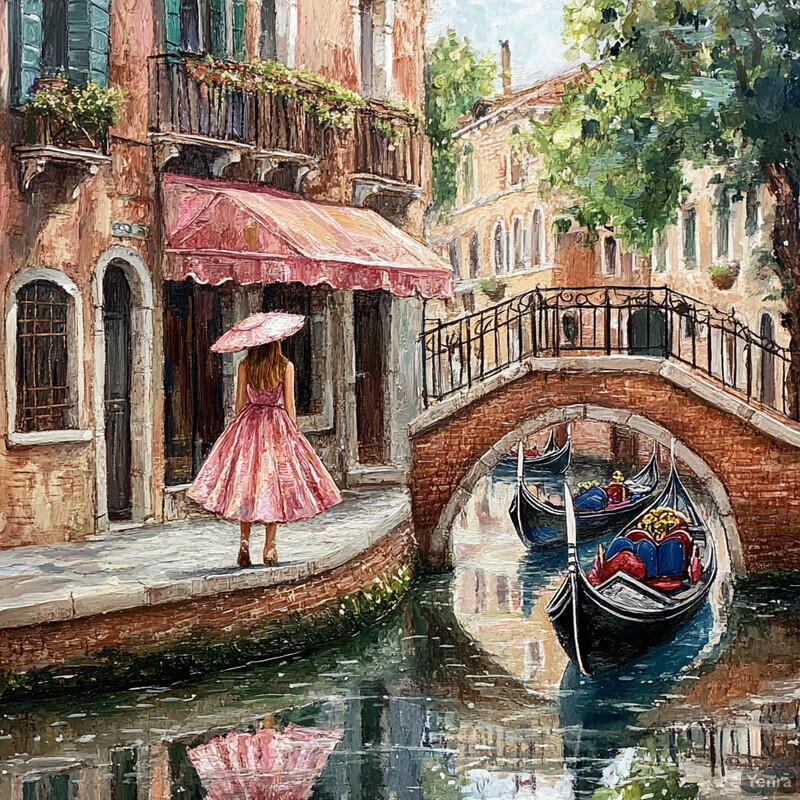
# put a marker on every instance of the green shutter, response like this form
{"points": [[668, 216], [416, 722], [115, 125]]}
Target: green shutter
{"points": [[218, 29], [88, 23], [238, 30], [172, 25], [29, 19]]}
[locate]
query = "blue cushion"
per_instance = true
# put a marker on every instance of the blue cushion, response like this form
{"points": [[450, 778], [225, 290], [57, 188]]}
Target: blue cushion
{"points": [[592, 499], [671, 558], [617, 546], [646, 550]]}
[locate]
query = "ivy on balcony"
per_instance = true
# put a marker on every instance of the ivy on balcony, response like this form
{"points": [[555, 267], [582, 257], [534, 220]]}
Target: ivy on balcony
{"points": [[327, 100], [73, 116]]}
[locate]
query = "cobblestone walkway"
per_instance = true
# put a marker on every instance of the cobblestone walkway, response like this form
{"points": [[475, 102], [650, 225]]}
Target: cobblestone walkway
{"points": [[179, 560]]}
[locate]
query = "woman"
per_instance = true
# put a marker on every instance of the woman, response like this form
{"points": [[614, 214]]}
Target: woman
{"points": [[262, 469]]}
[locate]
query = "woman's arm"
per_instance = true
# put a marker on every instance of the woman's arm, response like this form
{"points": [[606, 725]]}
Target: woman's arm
{"points": [[241, 387], [288, 391]]}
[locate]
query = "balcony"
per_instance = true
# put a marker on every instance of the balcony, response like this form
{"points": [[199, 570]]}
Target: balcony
{"points": [[56, 136], [236, 120], [388, 159]]}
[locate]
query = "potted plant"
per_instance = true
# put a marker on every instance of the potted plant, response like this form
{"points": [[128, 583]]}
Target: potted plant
{"points": [[492, 288], [74, 115], [49, 83], [723, 276]]}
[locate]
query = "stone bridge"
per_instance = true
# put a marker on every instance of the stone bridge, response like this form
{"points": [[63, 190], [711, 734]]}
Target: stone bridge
{"points": [[747, 458]]}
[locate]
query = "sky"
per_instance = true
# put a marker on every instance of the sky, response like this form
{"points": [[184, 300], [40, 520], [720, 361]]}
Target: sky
{"points": [[533, 29]]}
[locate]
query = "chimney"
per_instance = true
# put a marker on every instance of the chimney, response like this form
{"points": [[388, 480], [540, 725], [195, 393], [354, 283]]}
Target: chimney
{"points": [[506, 66]]}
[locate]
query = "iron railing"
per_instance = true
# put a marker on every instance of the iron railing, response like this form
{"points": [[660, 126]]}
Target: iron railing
{"points": [[604, 321]]}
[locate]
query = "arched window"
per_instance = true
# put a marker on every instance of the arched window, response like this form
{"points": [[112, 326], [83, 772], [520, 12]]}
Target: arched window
{"points": [[44, 396], [475, 255], [468, 172], [499, 248], [536, 236], [515, 161], [723, 223], [610, 256], [519, 243]]}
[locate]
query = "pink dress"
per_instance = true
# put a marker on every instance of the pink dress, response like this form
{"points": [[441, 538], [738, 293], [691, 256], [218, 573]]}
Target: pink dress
{"points": [[262, 469]]}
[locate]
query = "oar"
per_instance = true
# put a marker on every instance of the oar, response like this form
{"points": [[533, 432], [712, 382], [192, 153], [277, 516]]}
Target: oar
{"points": [[572, 569], [520, 462]]}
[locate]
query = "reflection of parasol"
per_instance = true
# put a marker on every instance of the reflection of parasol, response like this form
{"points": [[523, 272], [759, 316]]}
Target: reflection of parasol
{"points": [[267, 765], [258, 329]]}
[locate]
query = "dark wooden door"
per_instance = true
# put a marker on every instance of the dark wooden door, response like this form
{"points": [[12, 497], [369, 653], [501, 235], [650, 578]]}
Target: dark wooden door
{"points": [[647, 332], [117, 322], [370, 360], [193, 390]]}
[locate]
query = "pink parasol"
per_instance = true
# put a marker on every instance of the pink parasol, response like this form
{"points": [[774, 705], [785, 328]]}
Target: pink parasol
{"points": [[267, 765], [258, 329]]}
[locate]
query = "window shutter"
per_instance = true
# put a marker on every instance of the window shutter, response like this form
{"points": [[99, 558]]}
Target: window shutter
{"points": [[238, 30], [172, 26], [29, 43], [88, 41], [218, 29]]}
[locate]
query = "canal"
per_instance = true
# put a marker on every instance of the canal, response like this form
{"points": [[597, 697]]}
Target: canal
{"points": [[461, 692]]}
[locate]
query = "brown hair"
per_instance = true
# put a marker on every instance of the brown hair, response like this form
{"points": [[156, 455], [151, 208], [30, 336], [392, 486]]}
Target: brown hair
{"points": [[265, 366]]}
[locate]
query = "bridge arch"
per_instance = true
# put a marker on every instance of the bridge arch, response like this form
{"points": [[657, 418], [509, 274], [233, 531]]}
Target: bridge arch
{"points": [[747, 459], [729, 545]]}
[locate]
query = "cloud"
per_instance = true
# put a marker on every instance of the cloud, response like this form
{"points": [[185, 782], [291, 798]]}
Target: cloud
{"points": [[533, 28]]}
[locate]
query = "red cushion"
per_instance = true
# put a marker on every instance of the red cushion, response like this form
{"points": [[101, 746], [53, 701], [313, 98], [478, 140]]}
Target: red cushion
{"points": [[665, 584], [625, 561]]}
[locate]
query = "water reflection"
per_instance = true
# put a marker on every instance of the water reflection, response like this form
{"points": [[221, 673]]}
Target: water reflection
{"points": [[462, 692]]}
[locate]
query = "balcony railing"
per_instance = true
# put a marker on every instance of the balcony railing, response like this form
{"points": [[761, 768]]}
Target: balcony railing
{"points": [[605, 321], [183, 104], [388, 144], [48, 130]]}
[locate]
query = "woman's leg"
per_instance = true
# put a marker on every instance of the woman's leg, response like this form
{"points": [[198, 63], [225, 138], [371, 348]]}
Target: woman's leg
{"points": [[270, 553], [244, 546]]}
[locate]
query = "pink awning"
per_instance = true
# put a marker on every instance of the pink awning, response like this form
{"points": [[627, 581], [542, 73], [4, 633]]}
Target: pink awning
{"points": [[218, 231]]}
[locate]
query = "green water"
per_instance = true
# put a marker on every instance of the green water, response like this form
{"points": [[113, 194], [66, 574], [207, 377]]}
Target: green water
{"points": [[462, 692]]}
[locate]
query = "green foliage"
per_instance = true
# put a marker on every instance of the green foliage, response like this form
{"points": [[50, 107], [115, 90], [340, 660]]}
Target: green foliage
{"points": [[644, 778], [677, 83], [88, 110], [455, 77], [328, 100]]}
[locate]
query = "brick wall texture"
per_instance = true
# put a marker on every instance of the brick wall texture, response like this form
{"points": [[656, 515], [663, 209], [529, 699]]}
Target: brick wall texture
{"points": [[158, 628], [760, 474]]}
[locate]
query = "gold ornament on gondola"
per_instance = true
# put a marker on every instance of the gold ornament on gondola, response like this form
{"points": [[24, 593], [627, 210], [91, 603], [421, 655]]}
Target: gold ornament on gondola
{"points": [[661, 521]]}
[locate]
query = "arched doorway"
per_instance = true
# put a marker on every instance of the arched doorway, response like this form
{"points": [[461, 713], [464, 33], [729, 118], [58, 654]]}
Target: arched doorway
{"points": [[647, 332], [767, 332], [117, 400]]}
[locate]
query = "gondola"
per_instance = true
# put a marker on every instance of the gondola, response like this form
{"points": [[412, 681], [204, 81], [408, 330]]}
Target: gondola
{"points": [[603, 627], [553, 460], [541, 524]]}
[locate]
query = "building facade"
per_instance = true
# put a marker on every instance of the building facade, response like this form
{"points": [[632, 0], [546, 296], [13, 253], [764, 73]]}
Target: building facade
{"points": [[507, 233], [112, 295]]}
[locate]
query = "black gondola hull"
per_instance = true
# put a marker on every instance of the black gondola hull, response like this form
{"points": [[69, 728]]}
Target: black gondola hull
{"points": [[610, 635], [555, 463], [540, 524]]}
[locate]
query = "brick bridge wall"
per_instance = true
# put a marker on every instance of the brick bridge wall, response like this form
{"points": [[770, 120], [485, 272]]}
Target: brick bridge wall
{"points": [[756, 458]]}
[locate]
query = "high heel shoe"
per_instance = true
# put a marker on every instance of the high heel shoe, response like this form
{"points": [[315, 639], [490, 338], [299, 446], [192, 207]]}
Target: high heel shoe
{"points": [[270, 557], [243, 560]]}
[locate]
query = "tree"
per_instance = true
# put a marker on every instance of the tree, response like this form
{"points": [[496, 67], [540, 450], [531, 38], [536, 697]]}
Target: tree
{"points": [[676, 84], [455, 77]]}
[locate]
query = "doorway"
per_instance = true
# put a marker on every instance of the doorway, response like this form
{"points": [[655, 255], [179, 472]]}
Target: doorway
{"points": [[193, 386], [767, 361], [370, 359], [647, 332], [117, 324]]}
